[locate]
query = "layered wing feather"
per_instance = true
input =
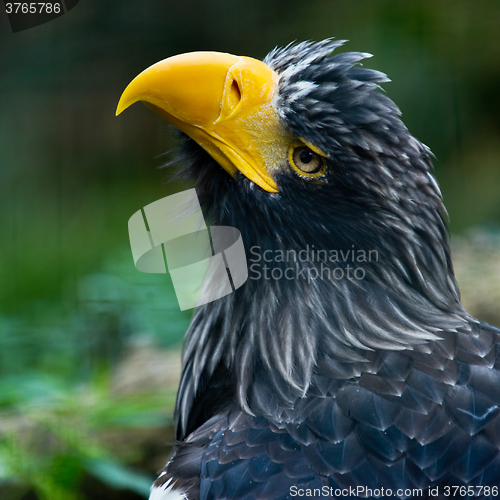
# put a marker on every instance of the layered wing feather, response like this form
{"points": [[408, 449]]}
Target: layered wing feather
{"points": [[411, 419]]}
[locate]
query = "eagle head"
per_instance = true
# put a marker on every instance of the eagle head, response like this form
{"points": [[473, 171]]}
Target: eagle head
{"points": [[304, 150]]}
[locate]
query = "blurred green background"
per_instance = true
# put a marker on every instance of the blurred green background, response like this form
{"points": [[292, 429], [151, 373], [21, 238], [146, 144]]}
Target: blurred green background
{"points": [[89, 347]]}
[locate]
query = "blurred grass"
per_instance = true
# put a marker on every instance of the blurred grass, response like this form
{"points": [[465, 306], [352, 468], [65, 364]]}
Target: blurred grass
{"points": [[69, 383], [52, 435], [92, 324], [477, 268]]}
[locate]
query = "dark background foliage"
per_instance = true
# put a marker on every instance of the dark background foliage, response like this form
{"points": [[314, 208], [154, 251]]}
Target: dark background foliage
{"points": [[77, 321]]}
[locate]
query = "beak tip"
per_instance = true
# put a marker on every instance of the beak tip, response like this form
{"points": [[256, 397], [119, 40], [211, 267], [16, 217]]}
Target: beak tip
{"points": [[122, 106]]}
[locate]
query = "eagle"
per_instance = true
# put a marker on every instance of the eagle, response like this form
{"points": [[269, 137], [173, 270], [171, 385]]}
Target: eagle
{"points": [[352, 368]]}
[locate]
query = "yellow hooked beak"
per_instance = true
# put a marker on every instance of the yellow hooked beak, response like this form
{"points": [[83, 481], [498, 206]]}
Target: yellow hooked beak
{"points": [[223, 102]]}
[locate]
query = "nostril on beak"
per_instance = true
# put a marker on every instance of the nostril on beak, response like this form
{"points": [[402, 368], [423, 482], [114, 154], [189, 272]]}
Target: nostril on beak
{"points": [[234, 96]]}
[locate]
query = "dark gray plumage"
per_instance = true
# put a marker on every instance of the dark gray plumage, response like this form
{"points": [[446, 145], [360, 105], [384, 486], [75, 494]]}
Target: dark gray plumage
{"points": [[380, 382]]}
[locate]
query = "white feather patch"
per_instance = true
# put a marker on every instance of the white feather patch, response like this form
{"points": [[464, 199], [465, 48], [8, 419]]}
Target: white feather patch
{"points": [[165, 492], [301, 89]]}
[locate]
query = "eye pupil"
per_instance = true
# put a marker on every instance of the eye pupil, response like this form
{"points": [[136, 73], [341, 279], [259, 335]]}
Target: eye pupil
{"points": [[306, 156], [307, 161]]}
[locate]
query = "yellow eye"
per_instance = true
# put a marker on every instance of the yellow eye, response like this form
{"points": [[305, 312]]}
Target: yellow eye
{"points": [[307, 161]]}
